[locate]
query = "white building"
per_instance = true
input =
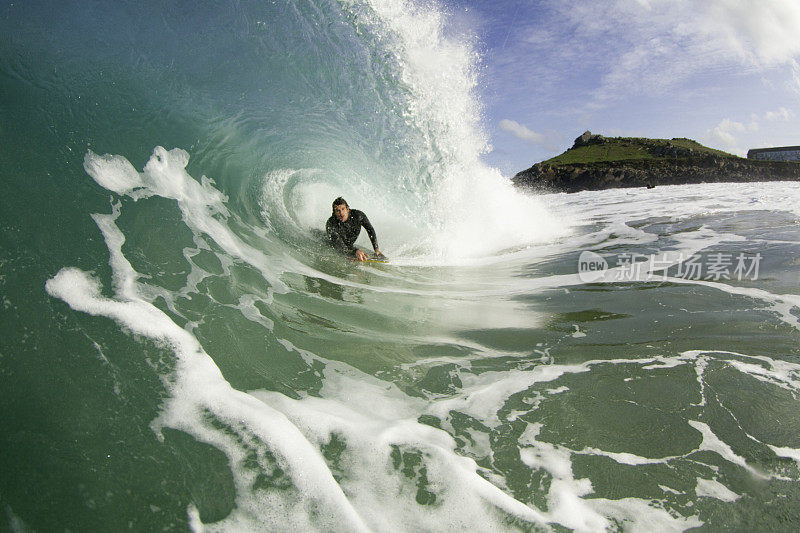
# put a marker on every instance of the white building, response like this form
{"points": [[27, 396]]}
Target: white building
{"points": [[785, 153]]}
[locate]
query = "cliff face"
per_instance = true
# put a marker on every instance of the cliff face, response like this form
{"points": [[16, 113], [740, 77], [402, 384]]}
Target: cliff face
{"points": [[657, 162], [648, 172]]}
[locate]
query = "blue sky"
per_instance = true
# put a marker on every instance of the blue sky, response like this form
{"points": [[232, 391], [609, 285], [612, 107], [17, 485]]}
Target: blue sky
{"points": [[723, 72]]}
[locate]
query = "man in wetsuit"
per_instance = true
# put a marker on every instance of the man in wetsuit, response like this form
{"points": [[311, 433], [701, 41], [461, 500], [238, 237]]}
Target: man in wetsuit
{"points": [[344, 226]]}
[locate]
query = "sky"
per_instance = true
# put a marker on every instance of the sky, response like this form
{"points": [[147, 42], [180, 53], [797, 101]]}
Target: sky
{"points": [[723, 72]]}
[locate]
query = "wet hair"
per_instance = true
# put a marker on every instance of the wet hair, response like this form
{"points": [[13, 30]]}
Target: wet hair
{"points": [[339, 201]]}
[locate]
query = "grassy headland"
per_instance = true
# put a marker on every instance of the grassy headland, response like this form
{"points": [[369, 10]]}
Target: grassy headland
{"points": [[595, 162], [599, 149]]}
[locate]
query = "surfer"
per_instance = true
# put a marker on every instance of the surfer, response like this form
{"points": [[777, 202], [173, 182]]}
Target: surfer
{"points": [[344, 226]]}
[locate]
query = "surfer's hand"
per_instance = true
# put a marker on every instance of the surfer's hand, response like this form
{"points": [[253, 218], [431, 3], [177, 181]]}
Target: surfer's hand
{"points": [[379, 254], [360, 255]]}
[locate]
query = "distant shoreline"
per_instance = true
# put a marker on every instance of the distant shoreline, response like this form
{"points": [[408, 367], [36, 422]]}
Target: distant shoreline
{"points": [[595, 163]]}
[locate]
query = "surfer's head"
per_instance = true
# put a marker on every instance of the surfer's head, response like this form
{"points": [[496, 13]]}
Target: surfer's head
{"points": [[340, 209]]}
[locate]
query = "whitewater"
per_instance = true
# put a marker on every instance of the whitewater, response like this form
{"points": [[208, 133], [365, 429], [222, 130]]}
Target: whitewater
{"points": [[181, 349]]}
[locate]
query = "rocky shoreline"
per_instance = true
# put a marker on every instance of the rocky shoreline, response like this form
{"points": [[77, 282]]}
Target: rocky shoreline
{"points": [[666, 165]]}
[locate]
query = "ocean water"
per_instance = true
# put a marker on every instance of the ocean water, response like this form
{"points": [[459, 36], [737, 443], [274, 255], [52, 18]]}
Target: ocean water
{"points": [[180, 351]]}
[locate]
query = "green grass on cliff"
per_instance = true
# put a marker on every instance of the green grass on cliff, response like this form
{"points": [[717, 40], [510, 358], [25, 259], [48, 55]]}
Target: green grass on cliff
{"points": [[630, 148], [694, 145]]}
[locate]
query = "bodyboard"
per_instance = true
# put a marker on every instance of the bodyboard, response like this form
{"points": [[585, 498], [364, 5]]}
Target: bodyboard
{"points": [[371, 258], [376, 259]]}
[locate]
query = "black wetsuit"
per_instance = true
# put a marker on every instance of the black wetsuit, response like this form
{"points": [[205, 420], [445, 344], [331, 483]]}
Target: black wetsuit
{"points": [[344, 234]]}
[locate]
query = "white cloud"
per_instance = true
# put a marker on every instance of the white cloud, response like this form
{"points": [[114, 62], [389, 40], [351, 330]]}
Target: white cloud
{"points": [[733, 136], [654, 45], [724, 134], [796, 75], [782, 115], [764, 32], [521, 132]]}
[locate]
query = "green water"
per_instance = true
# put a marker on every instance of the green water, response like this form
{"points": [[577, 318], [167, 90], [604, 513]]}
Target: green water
{"points": [[183, 354]]}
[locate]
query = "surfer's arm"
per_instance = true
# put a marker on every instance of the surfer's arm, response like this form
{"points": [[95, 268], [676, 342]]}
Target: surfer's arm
{"points": [[373, 237]]}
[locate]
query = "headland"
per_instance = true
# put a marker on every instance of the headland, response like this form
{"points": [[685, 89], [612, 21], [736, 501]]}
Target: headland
{"points": [[596, 162]]}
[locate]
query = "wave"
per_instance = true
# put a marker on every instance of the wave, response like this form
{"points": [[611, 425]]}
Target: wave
{"points": [[476, 381], [373, 101]]}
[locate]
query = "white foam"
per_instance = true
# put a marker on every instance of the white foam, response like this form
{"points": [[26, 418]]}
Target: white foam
{"points": [[567, 503], [785, 451], [714, 444], [710, 488], [625, 458], [202, 205], [644, 516], [198, 389], [112, 172], [250, 311], [564, 501], [662, 363], [373, 418], [483, 395], [683, 201], [781, 374]]}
